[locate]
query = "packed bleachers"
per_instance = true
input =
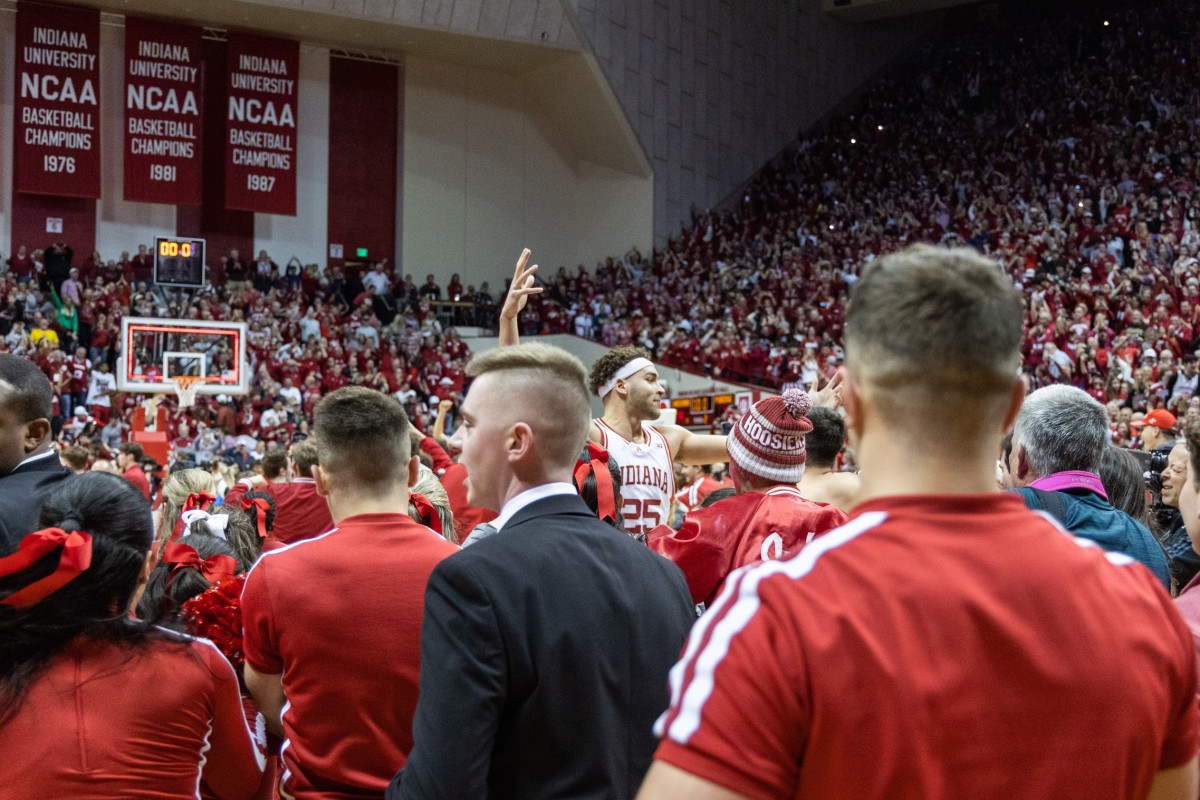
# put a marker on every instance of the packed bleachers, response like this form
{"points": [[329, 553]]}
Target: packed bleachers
{"points": [[1065, 151]]}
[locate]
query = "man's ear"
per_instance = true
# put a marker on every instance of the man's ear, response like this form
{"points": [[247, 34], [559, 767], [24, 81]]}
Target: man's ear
{"points": [[36, 433], [519, 441], [1023, 469], [1015, 401], [321, 480], [852, 402], [414, 471]]}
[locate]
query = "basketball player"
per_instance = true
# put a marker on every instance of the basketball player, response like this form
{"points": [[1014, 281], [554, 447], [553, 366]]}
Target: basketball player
{"points": [[627, 381]]}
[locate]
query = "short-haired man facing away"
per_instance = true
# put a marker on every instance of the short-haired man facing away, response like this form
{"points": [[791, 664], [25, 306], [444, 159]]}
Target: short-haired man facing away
{"points": [[946, 642], [1058, 444], [822, 482], [545, 646], [333, 624], [300, 513]]}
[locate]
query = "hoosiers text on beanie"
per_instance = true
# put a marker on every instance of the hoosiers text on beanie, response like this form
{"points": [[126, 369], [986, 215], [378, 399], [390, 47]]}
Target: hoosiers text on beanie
{"points": [[768, 441]]}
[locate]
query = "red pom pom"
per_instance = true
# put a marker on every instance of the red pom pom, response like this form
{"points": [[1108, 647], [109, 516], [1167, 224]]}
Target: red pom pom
{"points": [[216, 614]]}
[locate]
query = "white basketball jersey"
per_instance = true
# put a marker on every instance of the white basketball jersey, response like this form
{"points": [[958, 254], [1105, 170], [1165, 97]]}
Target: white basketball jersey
{"points": [[647, 477]]}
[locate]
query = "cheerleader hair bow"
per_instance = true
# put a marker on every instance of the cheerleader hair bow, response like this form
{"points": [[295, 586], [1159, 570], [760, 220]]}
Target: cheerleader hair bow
{"points": [[260, 516], [597, 464], [76, 556], [216, 525], [214, 568], [196, 501], [426, 509]]}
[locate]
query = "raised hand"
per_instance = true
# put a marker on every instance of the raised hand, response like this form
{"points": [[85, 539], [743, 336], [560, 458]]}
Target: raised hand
{"points": [[520, 290]]}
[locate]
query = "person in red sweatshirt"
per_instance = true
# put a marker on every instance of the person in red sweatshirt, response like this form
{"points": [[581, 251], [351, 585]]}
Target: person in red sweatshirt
{"points": [[768, 519], [300, 513]]}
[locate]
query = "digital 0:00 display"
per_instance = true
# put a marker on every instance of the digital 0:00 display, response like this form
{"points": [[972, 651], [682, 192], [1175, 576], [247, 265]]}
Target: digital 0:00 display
{"points": [[171, 248]]}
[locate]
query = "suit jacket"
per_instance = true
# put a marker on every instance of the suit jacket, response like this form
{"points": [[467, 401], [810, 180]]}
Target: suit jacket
{"points": [[544, 658], [20, 498]]}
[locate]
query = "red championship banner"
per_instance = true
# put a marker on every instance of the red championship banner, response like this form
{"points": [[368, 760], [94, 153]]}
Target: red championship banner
{"points": [[56, 127], [260, 150], [164, 105]]}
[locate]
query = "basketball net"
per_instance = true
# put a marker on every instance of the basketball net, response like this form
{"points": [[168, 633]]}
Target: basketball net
{"points": [[185, 388]]}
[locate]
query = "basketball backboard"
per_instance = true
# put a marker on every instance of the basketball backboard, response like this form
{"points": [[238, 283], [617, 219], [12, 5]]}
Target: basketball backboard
{"points": [[155, 350]]}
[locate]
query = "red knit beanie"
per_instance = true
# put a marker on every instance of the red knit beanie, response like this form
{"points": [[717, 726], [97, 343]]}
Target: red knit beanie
{"points": [[768, 441]]}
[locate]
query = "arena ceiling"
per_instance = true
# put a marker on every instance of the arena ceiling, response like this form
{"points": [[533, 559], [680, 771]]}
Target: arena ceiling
{"points": [[867, 10]]}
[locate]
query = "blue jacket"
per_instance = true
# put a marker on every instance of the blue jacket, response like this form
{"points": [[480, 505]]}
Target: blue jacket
{"points": [[1088, 515]]}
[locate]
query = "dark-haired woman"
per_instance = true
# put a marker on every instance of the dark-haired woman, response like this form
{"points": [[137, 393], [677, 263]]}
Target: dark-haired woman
{"points": [[92, 702]]}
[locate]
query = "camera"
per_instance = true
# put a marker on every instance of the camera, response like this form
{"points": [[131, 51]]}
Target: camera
{"points": [[1155, 464]]}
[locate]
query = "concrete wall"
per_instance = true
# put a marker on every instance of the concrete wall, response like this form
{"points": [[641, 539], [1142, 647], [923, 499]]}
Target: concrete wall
{"points": [[484, 176], [677, 381], [716, 88]]}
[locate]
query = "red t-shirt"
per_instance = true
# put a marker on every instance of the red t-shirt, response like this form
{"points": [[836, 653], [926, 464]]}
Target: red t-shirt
{"points": [[300, 513], [740, 530], [340, 617], [937, 647], [103, 722]]}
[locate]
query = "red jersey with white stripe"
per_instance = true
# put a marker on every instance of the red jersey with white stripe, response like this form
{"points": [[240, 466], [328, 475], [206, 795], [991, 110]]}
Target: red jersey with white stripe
{"points": [[647, 477], [339, 616], [692, 496], [937, 647], [745, 529], [104, 722]]}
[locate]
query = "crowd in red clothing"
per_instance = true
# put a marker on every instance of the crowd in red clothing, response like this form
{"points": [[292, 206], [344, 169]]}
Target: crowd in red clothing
{"points": [[311, 331], [1065, 152]]}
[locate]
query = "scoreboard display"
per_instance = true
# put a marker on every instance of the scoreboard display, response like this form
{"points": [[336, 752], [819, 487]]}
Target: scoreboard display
{"points": [[179, 262], [701, 411]]}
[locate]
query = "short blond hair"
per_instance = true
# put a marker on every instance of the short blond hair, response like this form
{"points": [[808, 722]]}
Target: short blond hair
{"points": [[550, 395]]}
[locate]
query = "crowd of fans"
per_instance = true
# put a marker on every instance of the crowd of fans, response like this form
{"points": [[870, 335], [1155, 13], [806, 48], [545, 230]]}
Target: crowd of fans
{"points": [[311, 331], [301, 609], [1064, 151]]}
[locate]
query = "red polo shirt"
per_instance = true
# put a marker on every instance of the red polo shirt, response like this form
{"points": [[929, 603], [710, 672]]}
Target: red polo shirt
{"points": [[340, 617]]}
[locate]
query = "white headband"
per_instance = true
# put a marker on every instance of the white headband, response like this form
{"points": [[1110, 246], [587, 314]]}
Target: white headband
{"points": [[632, 368], [216, 525]]}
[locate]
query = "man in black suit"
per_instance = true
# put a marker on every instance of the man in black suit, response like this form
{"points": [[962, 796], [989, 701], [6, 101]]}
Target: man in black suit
{"points": [[28, 464], [544, 648]]}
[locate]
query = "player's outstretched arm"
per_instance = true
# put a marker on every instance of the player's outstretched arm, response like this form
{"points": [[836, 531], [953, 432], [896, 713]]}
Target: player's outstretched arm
{"points": [[694, 448], [666, 782]]}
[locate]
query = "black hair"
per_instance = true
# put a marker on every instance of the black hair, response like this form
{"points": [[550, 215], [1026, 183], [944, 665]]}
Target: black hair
{"points": [[169, 588], [252, 511], [31, 396], [588, 493], [94, 603], [719, 494], [827, 436]]}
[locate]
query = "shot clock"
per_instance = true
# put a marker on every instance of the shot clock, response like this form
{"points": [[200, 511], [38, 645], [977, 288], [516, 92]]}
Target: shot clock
{"points": [[179, 262]]}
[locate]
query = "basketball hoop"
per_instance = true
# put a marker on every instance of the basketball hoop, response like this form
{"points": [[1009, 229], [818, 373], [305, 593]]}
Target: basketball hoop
{"points": [[185, 388]]}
